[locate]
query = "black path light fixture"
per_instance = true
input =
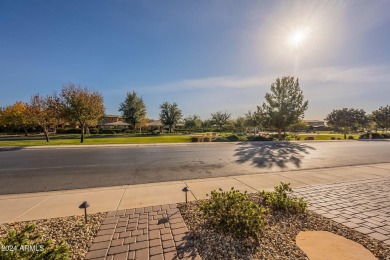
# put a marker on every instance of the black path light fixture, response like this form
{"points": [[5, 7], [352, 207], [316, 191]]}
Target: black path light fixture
{"points": [[186, 190], [84, 206]]}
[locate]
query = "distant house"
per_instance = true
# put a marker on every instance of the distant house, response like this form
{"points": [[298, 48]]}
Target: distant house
{"points": [[315, 124], [113, 121]]}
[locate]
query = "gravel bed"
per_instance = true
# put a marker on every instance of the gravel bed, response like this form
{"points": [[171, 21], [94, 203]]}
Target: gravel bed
{"points": [[72, 229], [275, 241]]}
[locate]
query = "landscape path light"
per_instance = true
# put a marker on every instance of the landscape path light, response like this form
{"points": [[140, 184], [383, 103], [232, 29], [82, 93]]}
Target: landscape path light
{"points": [[84, 206], [186, 190]]}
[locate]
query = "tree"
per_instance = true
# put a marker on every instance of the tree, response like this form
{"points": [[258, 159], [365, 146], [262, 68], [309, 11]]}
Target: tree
{"points": [[170, 114], [253, 120], [346, 120], [16, 116], [220, 118], [298, 126], [133, 110], [45, 112], [239, 124], [284, 105], [192, 122], [382, 117], [2, 119], [82, 105]]}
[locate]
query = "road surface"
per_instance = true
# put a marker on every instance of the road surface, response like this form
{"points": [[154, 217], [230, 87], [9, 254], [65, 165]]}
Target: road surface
{"points": [[47, 169]]}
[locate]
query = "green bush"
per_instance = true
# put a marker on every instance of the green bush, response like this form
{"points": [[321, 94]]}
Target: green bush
{"points": [[288, 138], [350, 137], [234, 212], [232, 138], [207, 139], [68, 131], [195, 139], [297, 138], [259, 138], [333, 138], [29, 244], [94, 131], [280, 200], [309, 138], [221, 139], [107, 131], [374, 136]]}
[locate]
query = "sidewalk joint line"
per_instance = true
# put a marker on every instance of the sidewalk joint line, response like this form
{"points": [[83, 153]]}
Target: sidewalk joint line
{"points": [[123, 193], [244, 183], [190, 190], [24, 213]]}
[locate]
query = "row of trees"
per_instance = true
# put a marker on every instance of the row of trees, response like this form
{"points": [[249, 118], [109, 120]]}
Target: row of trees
{"points": [[283, 107], [74, 104], [283, 110], [348, 120]]}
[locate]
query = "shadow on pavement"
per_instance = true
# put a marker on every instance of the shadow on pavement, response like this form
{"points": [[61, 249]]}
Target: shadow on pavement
{"points": [[7, 149], [268, 155]]}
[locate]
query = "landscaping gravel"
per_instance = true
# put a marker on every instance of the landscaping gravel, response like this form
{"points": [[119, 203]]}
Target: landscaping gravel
{"points": [[72, 229], [275, 241]]}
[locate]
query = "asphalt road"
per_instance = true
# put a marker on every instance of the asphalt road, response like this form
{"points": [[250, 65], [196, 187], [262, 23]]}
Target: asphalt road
{"points": [[48, 169]]}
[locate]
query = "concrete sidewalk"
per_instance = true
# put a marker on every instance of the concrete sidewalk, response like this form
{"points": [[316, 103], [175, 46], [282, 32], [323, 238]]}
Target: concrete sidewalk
{"points": [[31, 206]]}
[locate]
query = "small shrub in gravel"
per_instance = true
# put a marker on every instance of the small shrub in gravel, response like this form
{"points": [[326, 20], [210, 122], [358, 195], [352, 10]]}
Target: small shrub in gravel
{"points": [[234, 212], [29, 244], [281, 200]]}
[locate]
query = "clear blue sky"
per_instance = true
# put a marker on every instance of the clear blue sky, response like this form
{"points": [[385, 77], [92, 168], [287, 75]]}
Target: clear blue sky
{"points": [[204, 55]]}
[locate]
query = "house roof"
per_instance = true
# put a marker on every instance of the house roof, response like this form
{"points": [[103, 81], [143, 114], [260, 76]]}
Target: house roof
{"points": [[154, 123], [118, 123]]}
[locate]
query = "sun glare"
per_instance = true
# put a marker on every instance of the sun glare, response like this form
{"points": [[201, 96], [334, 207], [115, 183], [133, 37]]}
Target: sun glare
{"points": [[297, 38]]}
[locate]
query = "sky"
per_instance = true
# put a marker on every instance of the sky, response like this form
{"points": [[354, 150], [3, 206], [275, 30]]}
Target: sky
{"points": [[207, 56]]}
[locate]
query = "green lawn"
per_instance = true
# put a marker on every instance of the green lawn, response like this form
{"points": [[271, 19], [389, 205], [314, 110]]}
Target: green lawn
{"points": [[75, 140]]}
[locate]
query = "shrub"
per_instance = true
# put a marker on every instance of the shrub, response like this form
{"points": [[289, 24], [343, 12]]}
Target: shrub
{"points": [[232, 138], [220, 139], [21, 245], [333, 138], [94, 131], [234, 212], [207, 139], [374, 136], [309, 138], [195, 139], [259, 138], [338, 138], [107, 131], [280, 200], [297, 138], [69, 131], [288, 138], [350, 137]]}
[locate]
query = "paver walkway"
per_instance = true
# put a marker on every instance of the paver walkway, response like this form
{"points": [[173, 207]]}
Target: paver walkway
{"points": [[156, 232], [361, 205]]}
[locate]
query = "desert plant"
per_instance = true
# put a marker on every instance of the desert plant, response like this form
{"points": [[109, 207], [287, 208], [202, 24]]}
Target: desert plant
{"points": [[234, 212], [279, 199], [29, 244]]}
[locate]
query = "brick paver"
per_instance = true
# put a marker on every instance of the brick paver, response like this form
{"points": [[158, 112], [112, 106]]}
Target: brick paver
{"points": [[157, 232], [361, 205]]}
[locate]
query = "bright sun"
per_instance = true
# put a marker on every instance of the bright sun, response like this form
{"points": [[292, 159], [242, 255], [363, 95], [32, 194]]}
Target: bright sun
{"points": [[297, 38]]}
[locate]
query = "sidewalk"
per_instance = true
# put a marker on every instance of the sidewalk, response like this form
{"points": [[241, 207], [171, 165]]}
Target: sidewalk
{"points": [[32, 206]]}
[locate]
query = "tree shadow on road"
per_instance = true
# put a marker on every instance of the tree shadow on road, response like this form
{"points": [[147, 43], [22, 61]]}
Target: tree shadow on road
{"points": [[268, 155], [12, 148]]}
